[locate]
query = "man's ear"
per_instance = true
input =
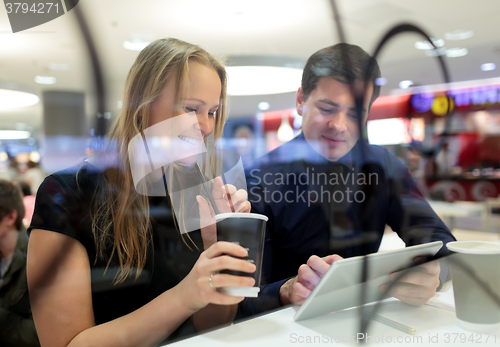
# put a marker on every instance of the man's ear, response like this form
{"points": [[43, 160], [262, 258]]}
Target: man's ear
{"points": [[299, 100], [11, 218]]}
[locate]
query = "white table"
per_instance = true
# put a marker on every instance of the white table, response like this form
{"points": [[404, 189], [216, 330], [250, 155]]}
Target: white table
{"points": [[434, 326], [457, 209]]}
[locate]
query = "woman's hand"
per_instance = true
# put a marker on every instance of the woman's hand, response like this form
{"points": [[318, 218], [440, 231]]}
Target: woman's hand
{"points": [[225, 197], [201, 286]]}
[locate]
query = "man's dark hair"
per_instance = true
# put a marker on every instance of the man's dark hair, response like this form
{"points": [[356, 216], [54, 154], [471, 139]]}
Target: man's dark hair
{"points": [[11, 199], [331, 62], [25, 188]]}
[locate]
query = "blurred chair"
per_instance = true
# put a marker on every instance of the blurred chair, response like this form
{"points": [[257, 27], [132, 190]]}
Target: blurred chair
{"points": [[492, 215]]}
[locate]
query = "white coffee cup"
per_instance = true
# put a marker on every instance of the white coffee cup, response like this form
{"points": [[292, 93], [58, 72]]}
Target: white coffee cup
{"points": [[475, 271]]}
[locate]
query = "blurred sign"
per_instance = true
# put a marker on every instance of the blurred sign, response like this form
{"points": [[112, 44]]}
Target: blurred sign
{"points": [[460, 99]]}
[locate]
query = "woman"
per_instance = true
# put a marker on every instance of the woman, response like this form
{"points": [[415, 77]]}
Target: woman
{"points": [[106, 265]]}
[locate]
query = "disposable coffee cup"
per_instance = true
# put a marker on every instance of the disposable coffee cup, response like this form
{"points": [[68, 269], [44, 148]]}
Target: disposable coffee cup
{"points": [[475, 274], [247, 230]]}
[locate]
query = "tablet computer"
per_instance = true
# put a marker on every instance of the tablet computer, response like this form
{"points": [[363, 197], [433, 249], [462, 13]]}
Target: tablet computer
{"points": [[341, 285]]}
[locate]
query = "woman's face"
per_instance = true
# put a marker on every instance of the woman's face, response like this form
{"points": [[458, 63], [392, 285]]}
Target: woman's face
{"points": [[177, 133], [202, 99]]}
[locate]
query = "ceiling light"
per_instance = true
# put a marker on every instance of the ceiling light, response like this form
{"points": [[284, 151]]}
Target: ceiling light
{"points": [[425, 45], [135, 44], [263, 106], [45, 79], [4, 156], [14, 134], [35, 156], [58, 67], [458, 34], [13, 95], [263, 75], [456, 52], [405, 84], [488, 67], [435, 52], [381, 81]]}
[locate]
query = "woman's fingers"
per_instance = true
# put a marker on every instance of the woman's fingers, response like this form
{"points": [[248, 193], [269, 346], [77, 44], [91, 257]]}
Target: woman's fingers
{"points": [[217, 189], [202, 285], [226, 262], [239, 199], [225, 280], [207, 215], [239, 196], [219, 258], [223, 247], [227, 195], [244, 206], [229, 188]]}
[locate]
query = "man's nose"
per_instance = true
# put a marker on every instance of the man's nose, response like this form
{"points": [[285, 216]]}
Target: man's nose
{"points": [[338, 123], [205, 123]]}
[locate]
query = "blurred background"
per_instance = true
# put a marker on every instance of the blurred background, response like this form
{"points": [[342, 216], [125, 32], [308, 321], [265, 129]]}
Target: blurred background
{"points": [[48, 110]]}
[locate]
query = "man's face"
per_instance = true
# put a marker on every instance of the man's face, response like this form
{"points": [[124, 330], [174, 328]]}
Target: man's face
{"points": [[330, 122], [7, 224]]}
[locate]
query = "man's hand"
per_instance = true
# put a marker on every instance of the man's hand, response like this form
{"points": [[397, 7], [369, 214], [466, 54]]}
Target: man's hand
{"points": [[297, 289], [418, 286]]}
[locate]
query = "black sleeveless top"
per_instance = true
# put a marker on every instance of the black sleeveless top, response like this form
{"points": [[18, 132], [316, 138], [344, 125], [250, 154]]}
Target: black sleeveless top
{"points": [[63, 205]]}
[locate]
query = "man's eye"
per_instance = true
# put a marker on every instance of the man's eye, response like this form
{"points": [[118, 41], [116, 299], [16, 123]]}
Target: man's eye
{"points": [[189, 109], [325, 110], [353, 115]]}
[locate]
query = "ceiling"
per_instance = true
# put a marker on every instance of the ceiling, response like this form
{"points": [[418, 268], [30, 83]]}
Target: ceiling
{"points": [[293, 28]]}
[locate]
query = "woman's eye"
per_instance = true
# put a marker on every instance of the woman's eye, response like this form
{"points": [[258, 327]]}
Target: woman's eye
{"points": [[213, 114], [189, 109]]}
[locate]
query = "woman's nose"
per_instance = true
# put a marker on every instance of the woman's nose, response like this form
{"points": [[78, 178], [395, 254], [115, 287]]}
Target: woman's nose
{"points": [[205, 123]]}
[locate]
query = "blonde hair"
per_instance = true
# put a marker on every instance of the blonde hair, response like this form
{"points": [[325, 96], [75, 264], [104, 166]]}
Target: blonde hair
{"points": [[121, 219]]}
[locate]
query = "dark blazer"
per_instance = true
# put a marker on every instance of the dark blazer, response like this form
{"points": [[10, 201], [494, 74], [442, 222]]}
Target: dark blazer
{"points": [[318, 207]]}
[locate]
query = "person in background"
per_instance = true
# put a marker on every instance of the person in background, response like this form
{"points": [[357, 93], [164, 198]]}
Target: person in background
{"points": [[416, 167], [108, 265], [16, 321], [329, 195], [28, 200], [33, 175]]}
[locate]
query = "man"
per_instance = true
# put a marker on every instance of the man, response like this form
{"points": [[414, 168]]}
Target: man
{"points": [[329, 195], [16, 321]]}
